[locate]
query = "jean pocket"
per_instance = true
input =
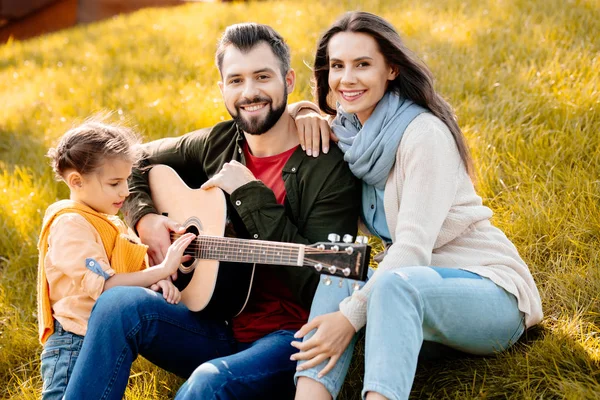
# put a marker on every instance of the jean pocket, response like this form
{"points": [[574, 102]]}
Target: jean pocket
{"points": [[58, 341], [48, 366]]}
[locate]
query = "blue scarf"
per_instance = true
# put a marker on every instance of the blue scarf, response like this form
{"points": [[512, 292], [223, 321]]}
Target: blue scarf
{"points": [[370, 150]]}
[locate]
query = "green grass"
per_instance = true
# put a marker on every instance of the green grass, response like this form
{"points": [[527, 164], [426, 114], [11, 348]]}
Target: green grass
{"points": [[523, 75]]}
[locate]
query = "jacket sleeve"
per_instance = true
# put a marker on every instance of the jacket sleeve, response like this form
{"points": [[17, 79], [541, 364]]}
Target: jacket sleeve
{"points": [[180, 153], [75, 250]]}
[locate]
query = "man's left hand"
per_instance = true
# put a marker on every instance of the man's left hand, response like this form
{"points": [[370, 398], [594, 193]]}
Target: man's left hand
{"points": [[232, 176]]}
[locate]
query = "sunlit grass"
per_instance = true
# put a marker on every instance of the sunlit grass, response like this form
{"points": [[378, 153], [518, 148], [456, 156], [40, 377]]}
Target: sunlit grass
{"points": [[523, 76]]}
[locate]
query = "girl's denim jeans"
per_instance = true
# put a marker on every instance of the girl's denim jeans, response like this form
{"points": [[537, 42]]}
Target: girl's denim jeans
{"points": [[58, 359], [411, 307]]}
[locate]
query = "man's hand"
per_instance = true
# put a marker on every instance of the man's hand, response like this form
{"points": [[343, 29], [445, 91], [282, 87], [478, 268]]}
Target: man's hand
{"points": [[170, 293], [153, 230], [313, 131], [232, 176], [334, 333]]}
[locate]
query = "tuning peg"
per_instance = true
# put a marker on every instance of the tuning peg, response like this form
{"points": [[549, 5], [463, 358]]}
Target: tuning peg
{"points": [[362, 240], [319, 267], [346, 271], [347, 238], [333, 237], [332, 269]]}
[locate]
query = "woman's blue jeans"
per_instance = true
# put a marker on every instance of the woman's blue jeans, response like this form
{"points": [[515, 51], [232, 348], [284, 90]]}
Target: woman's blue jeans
{"points": [[127, 321], [412, 307]]}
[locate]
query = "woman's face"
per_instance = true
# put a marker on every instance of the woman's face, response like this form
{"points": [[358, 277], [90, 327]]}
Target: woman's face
{"points": [[358, 72]]}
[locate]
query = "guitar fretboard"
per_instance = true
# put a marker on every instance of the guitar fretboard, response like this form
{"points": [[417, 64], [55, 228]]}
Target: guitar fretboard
{"points": [[247, 251]]}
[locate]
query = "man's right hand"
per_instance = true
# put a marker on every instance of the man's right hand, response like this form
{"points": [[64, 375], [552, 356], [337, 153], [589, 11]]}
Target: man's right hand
{"points": [[153, 230]]}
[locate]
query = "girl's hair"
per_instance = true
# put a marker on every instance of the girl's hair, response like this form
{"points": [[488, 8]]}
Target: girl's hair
{"points": [[86, 147], [414, 80]]}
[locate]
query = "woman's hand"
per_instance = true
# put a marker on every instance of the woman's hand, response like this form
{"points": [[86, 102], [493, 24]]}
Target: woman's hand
{"points": [[334, 333], [313, 131], [169, 291]]}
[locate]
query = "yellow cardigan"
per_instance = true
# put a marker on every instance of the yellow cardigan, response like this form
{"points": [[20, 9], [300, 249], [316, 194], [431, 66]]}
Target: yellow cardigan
{"points": [[124, 254]]}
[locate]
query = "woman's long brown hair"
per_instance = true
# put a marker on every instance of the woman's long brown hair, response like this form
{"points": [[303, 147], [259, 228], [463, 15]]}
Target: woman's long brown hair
{"points": [[414, 80]]}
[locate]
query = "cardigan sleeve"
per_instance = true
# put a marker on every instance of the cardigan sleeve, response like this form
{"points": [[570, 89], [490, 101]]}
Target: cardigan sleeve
{"points": [[429, 166]]}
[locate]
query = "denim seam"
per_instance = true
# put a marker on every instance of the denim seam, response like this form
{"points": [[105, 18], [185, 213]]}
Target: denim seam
{"points": [[326, 381], [182, 326], [378, 388]]}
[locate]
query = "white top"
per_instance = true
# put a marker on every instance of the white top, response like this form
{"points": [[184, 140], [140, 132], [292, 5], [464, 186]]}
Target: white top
{"points": [[436, 219]]}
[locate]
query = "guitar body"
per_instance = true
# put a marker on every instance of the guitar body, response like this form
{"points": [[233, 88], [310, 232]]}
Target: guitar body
{"points": [[216, 289]]}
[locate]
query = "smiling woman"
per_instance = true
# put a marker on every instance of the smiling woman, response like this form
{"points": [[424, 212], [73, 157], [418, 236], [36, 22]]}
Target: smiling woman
{"points": [[402, 140]]}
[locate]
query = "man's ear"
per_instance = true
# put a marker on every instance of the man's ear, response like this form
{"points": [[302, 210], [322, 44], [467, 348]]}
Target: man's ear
{"points": [[74, 180], [220, 85], [290, 80]]}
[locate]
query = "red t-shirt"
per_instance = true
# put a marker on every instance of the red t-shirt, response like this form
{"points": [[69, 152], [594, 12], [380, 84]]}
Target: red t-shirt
{"points": [[271, 306]]}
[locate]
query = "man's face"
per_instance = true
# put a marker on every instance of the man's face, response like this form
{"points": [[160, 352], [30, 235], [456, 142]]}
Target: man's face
{"points": [[253, 89]]}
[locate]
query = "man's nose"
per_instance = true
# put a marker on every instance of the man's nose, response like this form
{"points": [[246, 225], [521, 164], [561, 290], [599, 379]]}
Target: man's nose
{"points": [[250, 90]]}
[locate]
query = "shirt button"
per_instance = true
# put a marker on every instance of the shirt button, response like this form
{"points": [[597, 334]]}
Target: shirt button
{"points": [[256, 236], [238, 203], [91, 263], [239, 150], [372, 206], [294, 169]]}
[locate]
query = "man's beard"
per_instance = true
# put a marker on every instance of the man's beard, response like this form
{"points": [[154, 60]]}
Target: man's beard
{"points": [[259, 125]]}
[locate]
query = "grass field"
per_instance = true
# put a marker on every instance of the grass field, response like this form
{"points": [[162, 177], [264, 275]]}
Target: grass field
{"points": [[523, 76]]}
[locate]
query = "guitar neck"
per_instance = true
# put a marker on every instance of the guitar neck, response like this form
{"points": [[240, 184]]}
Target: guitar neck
{"points": [[247, 251]]}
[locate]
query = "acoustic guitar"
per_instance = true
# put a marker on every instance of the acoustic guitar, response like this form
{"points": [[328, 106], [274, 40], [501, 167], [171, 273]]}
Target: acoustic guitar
{"points": [[218, 280]]}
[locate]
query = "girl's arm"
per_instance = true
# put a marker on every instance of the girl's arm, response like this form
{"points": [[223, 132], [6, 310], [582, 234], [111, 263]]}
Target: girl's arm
{"points": [[151, 275]]}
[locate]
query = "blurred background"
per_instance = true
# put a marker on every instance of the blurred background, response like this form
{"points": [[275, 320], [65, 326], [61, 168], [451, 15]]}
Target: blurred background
{"points": [[23, 19]]}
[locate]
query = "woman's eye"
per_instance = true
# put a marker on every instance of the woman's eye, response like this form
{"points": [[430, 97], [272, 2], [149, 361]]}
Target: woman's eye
{"points": [[336, 66]]}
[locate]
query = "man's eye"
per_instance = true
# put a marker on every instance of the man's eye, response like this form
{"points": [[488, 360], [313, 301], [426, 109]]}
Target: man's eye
{"points": [[262, 77], [234, 81], [114, 184]]}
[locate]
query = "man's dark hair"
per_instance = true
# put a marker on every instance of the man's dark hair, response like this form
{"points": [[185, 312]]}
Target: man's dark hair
{"points": [[246, 36]]}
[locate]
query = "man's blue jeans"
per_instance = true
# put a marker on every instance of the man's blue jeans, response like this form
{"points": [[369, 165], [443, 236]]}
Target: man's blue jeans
{"points": [[419, 310], [127, 321]]}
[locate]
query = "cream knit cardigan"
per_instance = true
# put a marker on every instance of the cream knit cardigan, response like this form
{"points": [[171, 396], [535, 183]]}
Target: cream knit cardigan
{"points": [[436, 219]]}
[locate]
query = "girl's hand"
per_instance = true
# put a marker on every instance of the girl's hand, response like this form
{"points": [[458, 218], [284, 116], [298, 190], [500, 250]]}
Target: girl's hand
{"points": [[313, 131], [174, 256], [169, 291], [334, 333]]}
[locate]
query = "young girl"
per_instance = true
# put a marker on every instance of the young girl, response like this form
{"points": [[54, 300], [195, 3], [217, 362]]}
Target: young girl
{"points": [[448, 275], [84, 248]]}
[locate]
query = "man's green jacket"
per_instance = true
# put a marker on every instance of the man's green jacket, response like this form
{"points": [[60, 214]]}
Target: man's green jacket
{"points": [[322, 197]]}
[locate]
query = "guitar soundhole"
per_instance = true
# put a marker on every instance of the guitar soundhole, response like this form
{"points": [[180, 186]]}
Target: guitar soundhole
{"points": [[191, 249]]}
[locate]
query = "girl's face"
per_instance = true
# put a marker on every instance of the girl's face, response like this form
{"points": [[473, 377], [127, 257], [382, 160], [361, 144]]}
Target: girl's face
{"points": [[106, 189], [358, 72]]}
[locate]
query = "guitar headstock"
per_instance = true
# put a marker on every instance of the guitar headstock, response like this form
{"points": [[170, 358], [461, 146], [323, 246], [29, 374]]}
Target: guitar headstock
{"points": [[341, 259]]}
